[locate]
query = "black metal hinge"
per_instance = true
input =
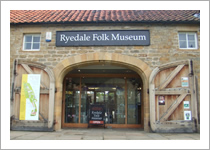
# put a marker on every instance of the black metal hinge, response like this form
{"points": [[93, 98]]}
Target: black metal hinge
{"points": [[191, 66]]}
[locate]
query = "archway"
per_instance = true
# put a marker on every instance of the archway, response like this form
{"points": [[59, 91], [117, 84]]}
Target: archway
{"points": [[71, 63]]}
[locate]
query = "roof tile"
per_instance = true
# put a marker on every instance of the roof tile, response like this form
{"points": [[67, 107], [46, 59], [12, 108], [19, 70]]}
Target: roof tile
{"points": [[84, 16]]}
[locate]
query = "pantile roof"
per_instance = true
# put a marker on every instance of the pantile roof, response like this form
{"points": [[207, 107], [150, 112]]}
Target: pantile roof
{"points": [[103, 16]]}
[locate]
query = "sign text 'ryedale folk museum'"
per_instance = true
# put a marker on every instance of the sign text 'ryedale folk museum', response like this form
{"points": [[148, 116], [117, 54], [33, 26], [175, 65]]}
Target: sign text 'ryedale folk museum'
{"points": [[85, 38]]}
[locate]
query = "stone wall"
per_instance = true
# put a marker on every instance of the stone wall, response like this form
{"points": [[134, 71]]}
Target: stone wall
{"points": [[164, 46]]}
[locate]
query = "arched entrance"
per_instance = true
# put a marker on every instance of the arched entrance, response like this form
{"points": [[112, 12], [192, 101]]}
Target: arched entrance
{"points": [[71, 63]]}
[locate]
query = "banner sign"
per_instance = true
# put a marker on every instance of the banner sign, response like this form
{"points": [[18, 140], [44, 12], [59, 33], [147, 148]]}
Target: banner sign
{"points": [[96, 114], [30, 92], [102, 37]]}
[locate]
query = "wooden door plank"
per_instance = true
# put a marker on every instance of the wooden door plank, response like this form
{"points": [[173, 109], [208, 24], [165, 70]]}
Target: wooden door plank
{"points": [[170, 77], [173, 106]]}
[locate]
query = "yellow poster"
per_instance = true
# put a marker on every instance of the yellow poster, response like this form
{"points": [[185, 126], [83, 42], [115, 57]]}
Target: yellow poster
{"points": [[23, 98], [30, 91]]}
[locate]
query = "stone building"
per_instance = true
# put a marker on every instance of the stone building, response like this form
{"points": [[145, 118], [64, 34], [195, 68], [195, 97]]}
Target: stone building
{"points": [[142, 66]]}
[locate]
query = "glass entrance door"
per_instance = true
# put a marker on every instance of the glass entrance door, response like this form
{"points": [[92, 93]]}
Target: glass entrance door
{"points": [[109, 92], [120, 96]]}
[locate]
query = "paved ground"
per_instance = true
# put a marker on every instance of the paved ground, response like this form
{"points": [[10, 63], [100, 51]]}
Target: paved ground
{"points": [[101, 134]]}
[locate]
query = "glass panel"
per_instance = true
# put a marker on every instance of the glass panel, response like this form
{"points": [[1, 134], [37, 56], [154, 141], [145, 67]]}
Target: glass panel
{"points": [[27, 46], [72, 100], [87, 98], [182, 44], [110, 107], [134, 101], [182, 36], [191, 44], [120, 100], [191, 37], [104, 91], [35, 46], [28, 38], [36, 38], [99, 97]]}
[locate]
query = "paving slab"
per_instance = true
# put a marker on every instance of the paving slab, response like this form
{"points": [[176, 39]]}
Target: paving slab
{"points": [[45, 138], [26, 137], [73, 133], [16, 134], [134, 134], [155, 136], [138, 138], [195, 137], [70, 137], [114, 137], [101, 134], [93, 138]]}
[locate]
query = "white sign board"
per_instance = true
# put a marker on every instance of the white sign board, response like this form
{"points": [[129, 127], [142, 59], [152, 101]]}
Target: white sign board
{"points": [[187, 115], [184, 82], [186, 105]]}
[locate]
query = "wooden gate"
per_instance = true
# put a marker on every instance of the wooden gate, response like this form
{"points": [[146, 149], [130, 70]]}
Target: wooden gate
{"points": [[46, 103], [173, 103]]}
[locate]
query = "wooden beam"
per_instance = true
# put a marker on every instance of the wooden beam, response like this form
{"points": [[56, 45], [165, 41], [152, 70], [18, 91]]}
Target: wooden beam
{"points": [[171, 92], [27, 68], [173, 106], [42, 91], [104, 75], [175, 127], [51, 97], [173, 64], [30, 71], [170, 77], [152, 106], [31, 63]]}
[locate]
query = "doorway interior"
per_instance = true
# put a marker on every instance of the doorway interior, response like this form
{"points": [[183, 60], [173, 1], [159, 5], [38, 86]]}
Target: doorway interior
{"points": [[118, 88]]}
